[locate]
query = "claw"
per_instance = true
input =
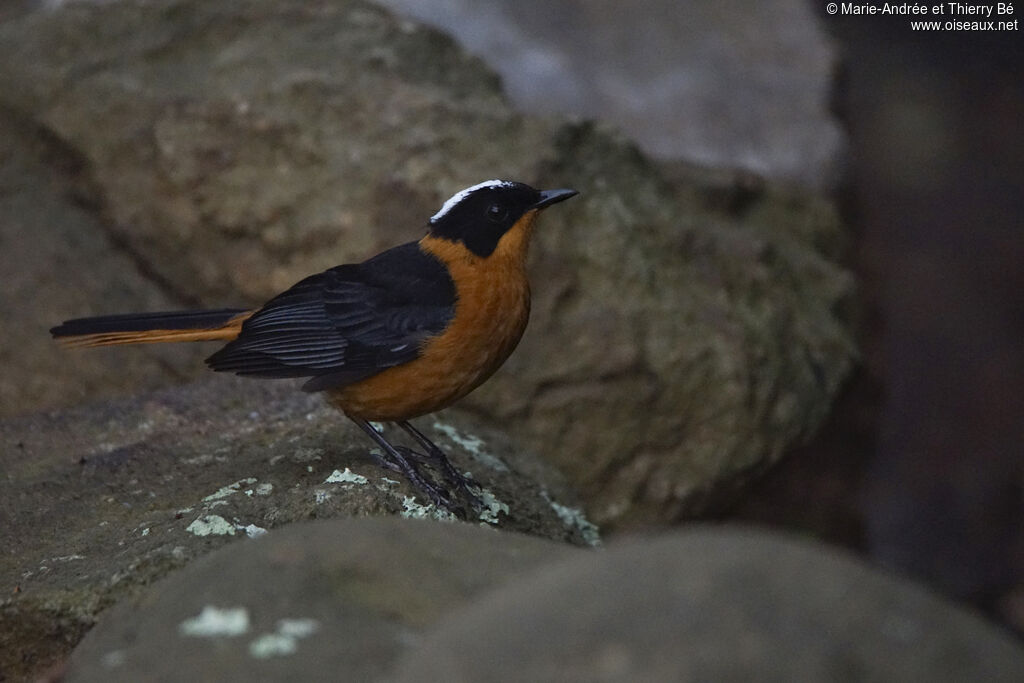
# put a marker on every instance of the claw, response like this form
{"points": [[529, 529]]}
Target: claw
{"points": [[407, 462]]}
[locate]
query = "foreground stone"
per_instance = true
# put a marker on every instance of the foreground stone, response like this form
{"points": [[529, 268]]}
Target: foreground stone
{"points": [[400, 600], [101, 500], [713, 605], [328, 601]]}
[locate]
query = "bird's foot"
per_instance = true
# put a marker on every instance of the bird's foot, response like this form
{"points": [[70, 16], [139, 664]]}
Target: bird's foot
{"points": [[457, 485]]}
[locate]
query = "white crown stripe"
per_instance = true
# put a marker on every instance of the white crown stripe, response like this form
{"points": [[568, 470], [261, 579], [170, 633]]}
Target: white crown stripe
{"points": [[462, 194]]}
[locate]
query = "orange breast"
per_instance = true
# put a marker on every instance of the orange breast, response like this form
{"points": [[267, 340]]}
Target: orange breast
{"points": [[491, 313]]}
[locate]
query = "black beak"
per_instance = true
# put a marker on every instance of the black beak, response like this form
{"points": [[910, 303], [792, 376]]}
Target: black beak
{"points": [[549, 197]]}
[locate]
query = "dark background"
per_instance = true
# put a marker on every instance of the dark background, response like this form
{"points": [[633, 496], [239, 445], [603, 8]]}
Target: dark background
{"points": [[920, 465]]}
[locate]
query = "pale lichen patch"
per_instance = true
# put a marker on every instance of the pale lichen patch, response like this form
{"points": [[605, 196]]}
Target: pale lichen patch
{"points": [[346, 477], [473, 445], [574, 518], [285, 640], [225, 491], [215, 622], [251, 530], [492, 507], [211, 525], [264, 489], [67, 558], [414, 510], [272, 645]]}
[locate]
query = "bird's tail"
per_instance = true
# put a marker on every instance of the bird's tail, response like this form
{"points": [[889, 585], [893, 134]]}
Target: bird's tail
{"points": [[148, 328]]}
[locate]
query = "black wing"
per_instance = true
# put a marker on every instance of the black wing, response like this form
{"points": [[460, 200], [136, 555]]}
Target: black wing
{"points": [[346, 323]]}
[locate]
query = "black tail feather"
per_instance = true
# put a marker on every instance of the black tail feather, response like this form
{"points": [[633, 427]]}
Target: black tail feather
{"points": [[141, 322]]}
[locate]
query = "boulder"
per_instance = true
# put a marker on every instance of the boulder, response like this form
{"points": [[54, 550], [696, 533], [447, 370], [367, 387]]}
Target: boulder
{"points": [[101, 500], [401, 600], [712, 604], [58, 263], [323, 601]]}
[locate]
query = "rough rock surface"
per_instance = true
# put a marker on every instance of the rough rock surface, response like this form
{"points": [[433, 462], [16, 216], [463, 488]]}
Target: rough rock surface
{"points": [[687, 327], [57, 264], [327, 601], [713, 605], [98, 501]]}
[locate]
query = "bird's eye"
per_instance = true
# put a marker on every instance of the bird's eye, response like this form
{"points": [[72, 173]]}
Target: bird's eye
{"points": [[497, 213]]}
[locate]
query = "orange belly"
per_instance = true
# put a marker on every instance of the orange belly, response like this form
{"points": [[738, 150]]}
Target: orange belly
{"points": [[490, 316]]}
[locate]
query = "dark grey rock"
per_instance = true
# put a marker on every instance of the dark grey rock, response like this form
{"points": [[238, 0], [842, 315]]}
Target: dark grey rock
{"points": [[99, 501], [713, 605], [327, 601], [688, 326]]}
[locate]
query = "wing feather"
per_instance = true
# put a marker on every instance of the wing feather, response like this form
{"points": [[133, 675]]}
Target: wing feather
{"points": [[346, 323]]}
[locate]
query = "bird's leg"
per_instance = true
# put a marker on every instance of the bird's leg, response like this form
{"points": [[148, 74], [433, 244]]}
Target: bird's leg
{"points": [[394, 460], [435, 454]]}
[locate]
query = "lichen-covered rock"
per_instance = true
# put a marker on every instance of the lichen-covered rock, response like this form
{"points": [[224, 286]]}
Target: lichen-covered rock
{"points": [[328, 601], [688, 325], [100, 500]]}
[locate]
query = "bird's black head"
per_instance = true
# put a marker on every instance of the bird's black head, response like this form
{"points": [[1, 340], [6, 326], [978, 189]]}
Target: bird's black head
{"points": [[480, 215]]}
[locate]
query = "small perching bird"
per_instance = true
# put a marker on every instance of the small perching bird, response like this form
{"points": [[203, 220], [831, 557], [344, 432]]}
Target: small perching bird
{"points": [[404, 333]]}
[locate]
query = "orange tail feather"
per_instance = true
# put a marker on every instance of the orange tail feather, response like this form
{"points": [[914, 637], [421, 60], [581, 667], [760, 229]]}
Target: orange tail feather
{"points": [[152, 328]]}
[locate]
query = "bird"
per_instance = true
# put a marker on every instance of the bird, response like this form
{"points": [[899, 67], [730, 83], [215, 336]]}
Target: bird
{"points": [[402, 334]]}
